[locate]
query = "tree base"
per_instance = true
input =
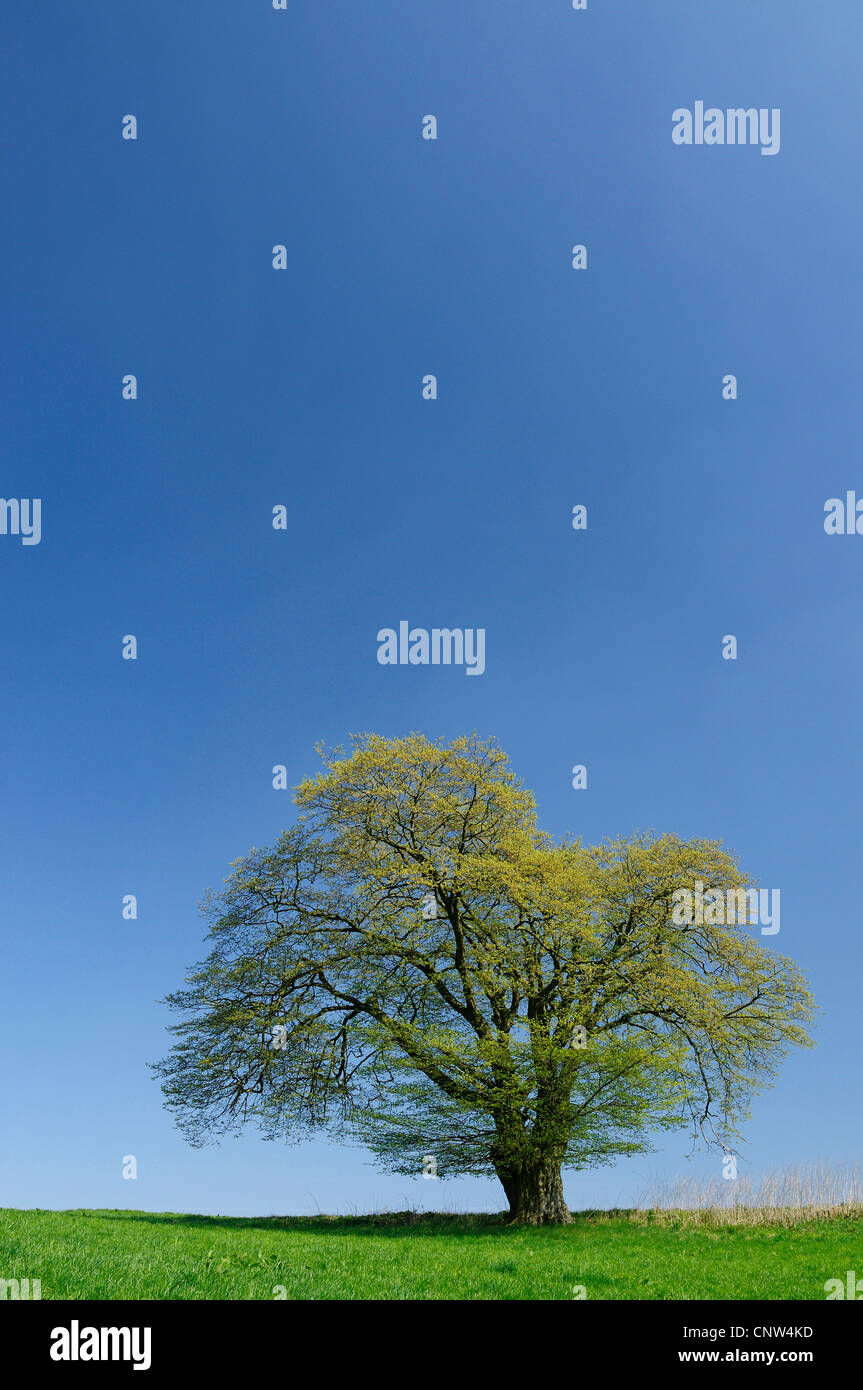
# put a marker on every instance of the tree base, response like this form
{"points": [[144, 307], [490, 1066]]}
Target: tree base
{"points": [[559, 1217], [535, 1194]]}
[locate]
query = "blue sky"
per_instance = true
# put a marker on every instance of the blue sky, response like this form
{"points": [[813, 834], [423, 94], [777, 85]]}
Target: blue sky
{"points": [[302, 388]]}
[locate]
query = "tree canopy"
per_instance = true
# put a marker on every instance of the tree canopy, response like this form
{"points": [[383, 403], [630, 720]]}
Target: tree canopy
{"points": [[415, 965]]}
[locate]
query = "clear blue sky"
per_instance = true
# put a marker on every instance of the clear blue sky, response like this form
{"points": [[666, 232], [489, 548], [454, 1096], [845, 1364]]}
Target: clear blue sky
{"points": [[302, 387]]}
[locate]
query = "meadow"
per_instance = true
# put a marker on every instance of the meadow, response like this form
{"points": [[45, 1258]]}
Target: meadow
{"points": [[660, 1254]]}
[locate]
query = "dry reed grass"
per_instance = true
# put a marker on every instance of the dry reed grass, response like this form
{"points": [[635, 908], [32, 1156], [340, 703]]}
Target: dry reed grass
{"points": [[816, 1191]]}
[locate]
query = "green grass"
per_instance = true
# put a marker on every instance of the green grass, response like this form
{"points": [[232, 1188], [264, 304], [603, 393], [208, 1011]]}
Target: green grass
{"points": [[133, 1254]]}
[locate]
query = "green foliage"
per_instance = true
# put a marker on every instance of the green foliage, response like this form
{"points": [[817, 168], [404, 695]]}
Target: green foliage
{"points": [[463, 1034]]}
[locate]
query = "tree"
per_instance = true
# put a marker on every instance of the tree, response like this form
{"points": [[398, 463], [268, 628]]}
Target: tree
{"points": [[416, 966]]}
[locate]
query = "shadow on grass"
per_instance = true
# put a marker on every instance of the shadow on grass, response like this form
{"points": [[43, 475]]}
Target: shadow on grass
{"points": [[398, 1223]]}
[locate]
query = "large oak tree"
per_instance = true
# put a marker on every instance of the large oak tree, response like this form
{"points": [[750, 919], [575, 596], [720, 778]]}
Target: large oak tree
{"points": [[417, 966]]}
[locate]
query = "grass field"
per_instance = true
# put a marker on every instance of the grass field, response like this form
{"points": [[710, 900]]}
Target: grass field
{"points": [[129, 1254]]}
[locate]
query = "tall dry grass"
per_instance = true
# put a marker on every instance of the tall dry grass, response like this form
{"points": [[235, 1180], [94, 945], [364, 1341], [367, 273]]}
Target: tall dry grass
{"points": [[806, 1192]]}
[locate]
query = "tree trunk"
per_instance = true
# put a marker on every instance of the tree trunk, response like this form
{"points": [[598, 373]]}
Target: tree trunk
{"points": [[534, 1190]]}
